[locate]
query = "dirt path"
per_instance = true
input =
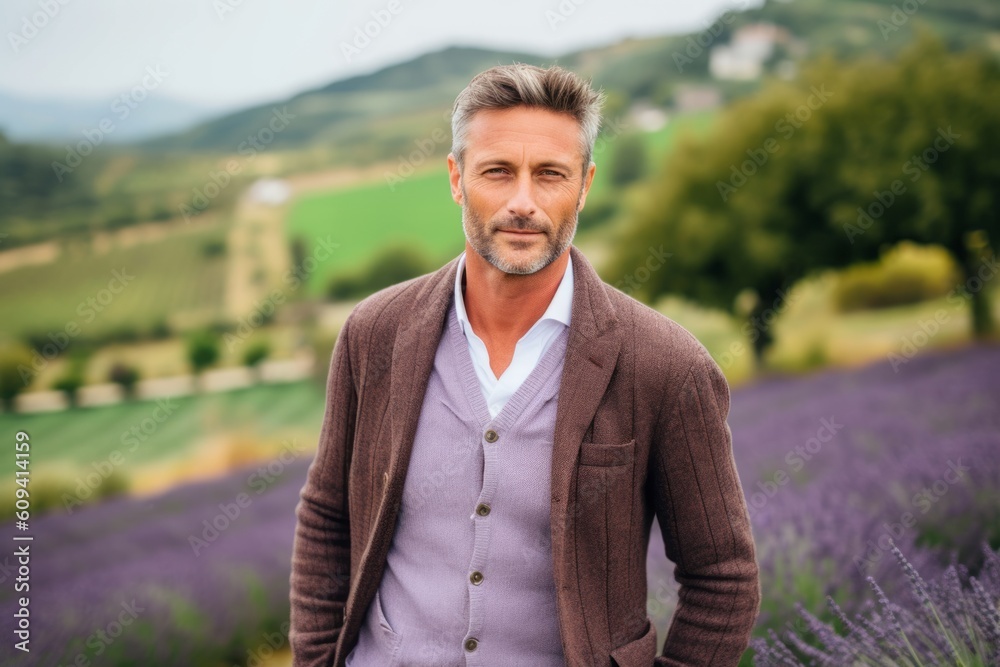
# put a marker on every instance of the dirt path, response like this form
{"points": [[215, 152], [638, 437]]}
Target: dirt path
{"points": [[258, 254]]}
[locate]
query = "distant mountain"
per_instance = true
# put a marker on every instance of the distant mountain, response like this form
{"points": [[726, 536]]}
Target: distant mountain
{"points": [[379, 115], [61, 120], [341, 110]]}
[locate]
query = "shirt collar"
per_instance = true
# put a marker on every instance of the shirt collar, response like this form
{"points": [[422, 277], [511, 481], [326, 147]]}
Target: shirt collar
{"points": [[560, 307]]}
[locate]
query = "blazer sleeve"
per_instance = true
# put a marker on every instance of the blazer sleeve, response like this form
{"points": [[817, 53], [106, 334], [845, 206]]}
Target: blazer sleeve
{"points": [[703, 517], [321, 552]]}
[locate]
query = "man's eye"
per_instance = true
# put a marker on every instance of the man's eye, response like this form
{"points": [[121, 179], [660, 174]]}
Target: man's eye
{"points": [[496, 170], [549, 172]]}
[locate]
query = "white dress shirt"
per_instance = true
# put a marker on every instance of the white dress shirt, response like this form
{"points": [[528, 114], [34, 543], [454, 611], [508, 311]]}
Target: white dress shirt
{"points": [[529, 348]]}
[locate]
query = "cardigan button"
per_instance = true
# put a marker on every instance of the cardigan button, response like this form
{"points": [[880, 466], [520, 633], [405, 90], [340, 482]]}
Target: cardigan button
{"points": [[471, 643], [482, 509], [491, 436], [476, 577]]}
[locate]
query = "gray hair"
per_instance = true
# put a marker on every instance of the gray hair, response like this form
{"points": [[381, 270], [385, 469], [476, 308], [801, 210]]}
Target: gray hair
{"points": [[519, 84]]}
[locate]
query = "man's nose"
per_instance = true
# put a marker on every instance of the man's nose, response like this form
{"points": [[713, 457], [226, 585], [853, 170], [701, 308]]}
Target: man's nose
{"points": [[522, 202]]}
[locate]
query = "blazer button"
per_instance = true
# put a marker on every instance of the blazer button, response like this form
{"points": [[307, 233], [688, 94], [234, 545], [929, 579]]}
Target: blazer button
{"points": [[471, 643], [491, 436], [476, 577], [483, 509]]}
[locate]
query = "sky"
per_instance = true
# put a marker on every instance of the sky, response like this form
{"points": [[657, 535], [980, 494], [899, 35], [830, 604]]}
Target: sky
{"points": [[224, 54]]}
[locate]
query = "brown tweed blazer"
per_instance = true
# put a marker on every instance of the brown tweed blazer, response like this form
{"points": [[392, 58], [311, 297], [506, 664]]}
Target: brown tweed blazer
{"points": [[640, 430]]}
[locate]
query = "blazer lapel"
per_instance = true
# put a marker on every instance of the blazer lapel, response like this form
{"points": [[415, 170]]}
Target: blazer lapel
{"points": [[413, 355], [591, 355]]}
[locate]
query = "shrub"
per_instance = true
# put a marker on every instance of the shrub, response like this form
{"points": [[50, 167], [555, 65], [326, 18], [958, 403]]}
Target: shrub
{"points": [[70, 384], [13, 358], [160, 330], [74, 376], [597, 213], [256, 353], [126, 376], [393, 264], [629, 161], [202, 350], [908, 273]]}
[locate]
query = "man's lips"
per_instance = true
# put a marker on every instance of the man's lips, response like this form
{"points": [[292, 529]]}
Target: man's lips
{"points": [[519, 231]]}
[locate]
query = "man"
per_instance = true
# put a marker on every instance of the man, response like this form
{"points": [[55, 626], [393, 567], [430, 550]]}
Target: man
{"points": [[500, 433]]}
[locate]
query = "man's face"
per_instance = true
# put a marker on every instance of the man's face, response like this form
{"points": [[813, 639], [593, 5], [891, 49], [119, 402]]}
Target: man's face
{"points": [[521, 186]]}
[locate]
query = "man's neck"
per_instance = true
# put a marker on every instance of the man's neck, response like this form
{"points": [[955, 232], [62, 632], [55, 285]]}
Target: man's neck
{"points": [[502, 306]]}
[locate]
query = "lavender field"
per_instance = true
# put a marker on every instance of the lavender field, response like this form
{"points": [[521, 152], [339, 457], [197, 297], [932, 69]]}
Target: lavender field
{"points": [[837, 467]]}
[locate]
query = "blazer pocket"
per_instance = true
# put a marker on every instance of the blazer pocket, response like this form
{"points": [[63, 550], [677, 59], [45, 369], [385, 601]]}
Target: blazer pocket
{"points": [[638, 652], [606, 454]]}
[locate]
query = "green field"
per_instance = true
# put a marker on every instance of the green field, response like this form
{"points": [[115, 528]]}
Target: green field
{"points": [[85, 436], [167, 280], [362, 220]]}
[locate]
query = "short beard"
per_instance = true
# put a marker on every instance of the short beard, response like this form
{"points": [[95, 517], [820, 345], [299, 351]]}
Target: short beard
{"points": [[480, 236]]}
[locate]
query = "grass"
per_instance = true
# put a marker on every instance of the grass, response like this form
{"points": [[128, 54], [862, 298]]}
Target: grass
{"points": [[166, 280], [365, 218], [86, 436]]}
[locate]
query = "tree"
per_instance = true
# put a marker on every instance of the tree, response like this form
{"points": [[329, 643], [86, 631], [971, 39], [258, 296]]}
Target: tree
{"points": [[393, 264], [256, 353], [69, 384], [74, 375], [202, 350], [125, 376], [824, 172], [628, 162], [15, 370]]}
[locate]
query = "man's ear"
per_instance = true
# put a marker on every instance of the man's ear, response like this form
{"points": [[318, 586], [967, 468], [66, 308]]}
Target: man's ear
{"points": [[587, 180], [455, 177]]}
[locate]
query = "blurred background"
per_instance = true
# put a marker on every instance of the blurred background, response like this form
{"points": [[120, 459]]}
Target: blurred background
{"points": [[194, 195]]}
